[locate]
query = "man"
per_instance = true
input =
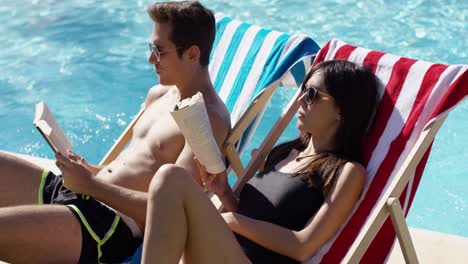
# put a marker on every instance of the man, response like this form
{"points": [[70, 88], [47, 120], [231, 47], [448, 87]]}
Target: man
{"points": [[77, 227]]}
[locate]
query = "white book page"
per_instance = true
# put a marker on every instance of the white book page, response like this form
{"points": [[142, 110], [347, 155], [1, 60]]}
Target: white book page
{"points": [[194, 123], [50, 129]]}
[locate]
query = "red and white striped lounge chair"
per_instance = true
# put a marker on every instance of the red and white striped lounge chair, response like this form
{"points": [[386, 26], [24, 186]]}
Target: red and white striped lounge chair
{"points": [[415, 98]]}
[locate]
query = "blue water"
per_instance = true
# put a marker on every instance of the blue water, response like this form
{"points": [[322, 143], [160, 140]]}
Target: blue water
{"points": [[87, 59]]}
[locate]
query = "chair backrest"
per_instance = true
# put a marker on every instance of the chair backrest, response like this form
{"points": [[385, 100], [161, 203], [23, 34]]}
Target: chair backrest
{"points": [[412, 94], [247, 59]]}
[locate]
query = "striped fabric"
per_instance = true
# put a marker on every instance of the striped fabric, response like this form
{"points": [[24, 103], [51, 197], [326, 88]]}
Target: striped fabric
{"points": [[412, 93], [246, 59]]}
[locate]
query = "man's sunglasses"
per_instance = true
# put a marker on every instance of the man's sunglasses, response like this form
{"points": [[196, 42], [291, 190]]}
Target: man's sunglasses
{"points": [[154, 49], [313, 93]]}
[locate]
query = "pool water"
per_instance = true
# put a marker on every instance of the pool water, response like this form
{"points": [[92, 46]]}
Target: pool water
{"points": [[87, 60]]}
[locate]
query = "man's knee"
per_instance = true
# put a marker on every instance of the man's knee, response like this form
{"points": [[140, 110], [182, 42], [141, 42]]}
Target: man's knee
{"points": [[5, 159], [169, 176], [10, 162], [20, 180]]}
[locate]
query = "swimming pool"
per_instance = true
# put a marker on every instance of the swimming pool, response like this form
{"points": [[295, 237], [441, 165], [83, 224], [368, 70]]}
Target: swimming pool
{"points": [[87, 59]]}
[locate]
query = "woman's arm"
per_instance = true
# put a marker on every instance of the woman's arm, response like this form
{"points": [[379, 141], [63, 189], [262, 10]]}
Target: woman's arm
{"points": [[228, 199], [301, 245]]}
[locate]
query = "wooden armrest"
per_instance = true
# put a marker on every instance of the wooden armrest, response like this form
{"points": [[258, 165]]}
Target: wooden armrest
{"points": [[254, 108]]}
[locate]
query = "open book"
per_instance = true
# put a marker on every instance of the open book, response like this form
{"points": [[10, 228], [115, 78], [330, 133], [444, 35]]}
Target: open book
{"points": [[50, 130], [191, 117]]}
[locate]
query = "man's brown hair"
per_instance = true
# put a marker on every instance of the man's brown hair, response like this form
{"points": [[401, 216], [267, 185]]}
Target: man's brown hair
{"points": [[191, 24]]}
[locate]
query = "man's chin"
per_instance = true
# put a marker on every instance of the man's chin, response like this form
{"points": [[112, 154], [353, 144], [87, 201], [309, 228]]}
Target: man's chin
{"points": [[163, 81]]}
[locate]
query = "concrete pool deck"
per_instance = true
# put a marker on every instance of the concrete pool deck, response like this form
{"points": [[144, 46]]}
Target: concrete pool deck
{"points": [[431, 248], [434, 247]]}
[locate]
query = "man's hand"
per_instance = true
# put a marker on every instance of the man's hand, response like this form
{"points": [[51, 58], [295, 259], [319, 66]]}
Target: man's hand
{"points": [[76, 176], [75, 157], [215, 183]]}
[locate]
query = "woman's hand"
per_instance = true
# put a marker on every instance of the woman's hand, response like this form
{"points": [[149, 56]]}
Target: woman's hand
{"points": [[215, 183], [76, 176]]}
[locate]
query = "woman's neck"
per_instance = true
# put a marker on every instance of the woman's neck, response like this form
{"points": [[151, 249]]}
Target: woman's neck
{"points": [[318, 145], [296, 159]]}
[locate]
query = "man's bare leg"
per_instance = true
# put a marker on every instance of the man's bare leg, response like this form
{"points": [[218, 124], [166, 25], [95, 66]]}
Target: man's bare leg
{"points": [[19, 181], [182, 220], [39, 234]]}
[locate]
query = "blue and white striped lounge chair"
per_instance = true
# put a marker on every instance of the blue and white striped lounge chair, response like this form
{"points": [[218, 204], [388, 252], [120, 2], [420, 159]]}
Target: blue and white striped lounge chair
{"points": [[247, 64]]}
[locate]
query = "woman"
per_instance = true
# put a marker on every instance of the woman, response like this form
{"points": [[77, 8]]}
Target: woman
{"points": [[294, 205]]}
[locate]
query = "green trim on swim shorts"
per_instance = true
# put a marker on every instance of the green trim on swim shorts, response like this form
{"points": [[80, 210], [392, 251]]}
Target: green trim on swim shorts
{"points": [[99, 242], [40, 192], [108, 236]]}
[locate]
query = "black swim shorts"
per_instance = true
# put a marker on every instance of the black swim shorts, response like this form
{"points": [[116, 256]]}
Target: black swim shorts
{"points": [[106, 238]]}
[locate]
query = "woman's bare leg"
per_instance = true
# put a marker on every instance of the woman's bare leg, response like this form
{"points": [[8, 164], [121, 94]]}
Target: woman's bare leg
{"points": [[182, 220]]}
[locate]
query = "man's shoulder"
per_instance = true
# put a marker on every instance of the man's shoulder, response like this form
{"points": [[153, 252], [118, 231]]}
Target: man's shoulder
{"points": [[155, 92], [220, 120], [217, 108]]}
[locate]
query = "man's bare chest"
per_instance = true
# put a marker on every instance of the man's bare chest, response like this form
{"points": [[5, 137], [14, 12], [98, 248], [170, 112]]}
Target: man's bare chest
{"points": [[157, 129]]}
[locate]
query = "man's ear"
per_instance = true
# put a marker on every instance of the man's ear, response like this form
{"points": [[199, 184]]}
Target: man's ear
{"points": [[193, 54]]}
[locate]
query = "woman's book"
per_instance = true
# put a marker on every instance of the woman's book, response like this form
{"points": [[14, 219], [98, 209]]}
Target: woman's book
{"points": [[192, 118], [48, 127]]}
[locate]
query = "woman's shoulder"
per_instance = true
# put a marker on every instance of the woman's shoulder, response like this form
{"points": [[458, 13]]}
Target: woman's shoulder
{"points": [[356, 168], [354, 172], [349, 182]]}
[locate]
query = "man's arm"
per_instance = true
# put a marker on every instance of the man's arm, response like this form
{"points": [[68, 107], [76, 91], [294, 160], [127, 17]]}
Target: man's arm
{"points": [[130, 202], [79, 179], [77, 158], [77, 171]]}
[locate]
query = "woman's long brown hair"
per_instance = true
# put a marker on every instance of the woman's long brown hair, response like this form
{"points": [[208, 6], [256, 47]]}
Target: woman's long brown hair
{"points": [[354, 90]]}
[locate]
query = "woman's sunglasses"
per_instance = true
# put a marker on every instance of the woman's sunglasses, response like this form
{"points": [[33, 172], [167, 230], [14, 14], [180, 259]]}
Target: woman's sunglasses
{"points": [[154, 49], [313, 93]]}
